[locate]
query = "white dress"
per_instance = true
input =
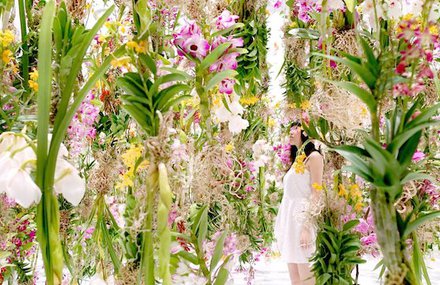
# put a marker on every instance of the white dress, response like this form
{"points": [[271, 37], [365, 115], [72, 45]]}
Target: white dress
{"points": [[291, 216]]}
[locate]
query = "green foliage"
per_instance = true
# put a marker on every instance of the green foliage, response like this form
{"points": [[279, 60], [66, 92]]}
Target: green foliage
{"points": [[213, 269], [145, 94], [252, 66], [336, 254], [297, 85]]}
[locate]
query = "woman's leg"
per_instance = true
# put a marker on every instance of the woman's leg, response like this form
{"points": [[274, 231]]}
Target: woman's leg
{"points": [[294, 273], [305, 275]]}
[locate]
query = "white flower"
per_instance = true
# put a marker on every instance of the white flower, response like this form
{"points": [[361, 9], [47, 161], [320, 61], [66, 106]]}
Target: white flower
{"points": [[22, 188], [261, 150], [335, 4], [237, 124], [68, 182], [368, 14]]}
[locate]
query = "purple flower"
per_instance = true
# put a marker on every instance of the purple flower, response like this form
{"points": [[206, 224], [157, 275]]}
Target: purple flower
{"points": [[227, 86], [225, 20], [418, 155]]}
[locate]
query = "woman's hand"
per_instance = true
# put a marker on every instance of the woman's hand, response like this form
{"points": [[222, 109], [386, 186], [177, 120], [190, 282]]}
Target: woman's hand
{"points": [[306, 237]]}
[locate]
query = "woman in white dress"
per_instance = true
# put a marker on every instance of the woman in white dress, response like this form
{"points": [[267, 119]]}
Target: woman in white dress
{"points": [[294, 230]]}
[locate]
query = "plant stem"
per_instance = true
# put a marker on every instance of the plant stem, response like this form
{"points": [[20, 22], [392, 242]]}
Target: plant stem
{"points": [[147, 243], [24, 46]]}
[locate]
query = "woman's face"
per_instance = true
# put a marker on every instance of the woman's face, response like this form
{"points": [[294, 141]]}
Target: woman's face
{"points": [[295, 136]]}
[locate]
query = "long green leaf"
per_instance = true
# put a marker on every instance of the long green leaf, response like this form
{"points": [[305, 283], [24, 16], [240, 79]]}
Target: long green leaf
{"points": [[213, 56], [218, 251], [422, 219], [359, 69], [416, 176], [76, 67], [164, 96], [218, 77]]}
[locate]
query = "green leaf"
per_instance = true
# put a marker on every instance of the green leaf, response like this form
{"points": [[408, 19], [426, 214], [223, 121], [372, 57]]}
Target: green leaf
{"points": [[76, 66], [372, 62], [127, 85], [359, 69], [189, 256], [402, 138], [322, 279], [162, 98], [416, 176], [148, 62], [222, 276], [408, 149], [424, 115], [175, 70], [349, 225], [422, 219], [213, 56], [225, 31], [218, 251], [218, 77]]}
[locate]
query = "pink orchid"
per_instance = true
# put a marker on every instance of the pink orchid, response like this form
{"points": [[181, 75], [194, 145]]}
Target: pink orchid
{"points": [[227, 86], [196, 46], [418, 155], [225, 20], [369, 240]]}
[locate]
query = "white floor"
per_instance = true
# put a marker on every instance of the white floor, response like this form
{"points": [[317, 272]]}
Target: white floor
{"points": [[273, 271]]}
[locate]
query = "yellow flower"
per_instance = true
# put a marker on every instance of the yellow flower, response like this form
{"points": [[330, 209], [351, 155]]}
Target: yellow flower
{"points": [[407, 17], [433, 30], [291, 105], [305, 105], [271, 122], [229, 148], [33, 81], [316, 186], [250, 100], [138, 47], [359, 206], [6, 56], [355, 191], [6, 38], [298, 165], [130, 158], [342, 192], [121, 62]]}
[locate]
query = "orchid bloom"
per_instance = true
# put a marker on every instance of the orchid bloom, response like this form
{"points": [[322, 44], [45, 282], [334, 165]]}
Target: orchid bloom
{"points": [[225, 20]]}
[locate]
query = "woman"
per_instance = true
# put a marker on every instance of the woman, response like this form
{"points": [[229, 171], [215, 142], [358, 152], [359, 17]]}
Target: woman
{"points": [[294, 230]]}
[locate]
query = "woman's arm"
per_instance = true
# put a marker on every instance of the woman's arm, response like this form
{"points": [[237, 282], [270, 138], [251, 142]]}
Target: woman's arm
{"points": [[315, 164]]}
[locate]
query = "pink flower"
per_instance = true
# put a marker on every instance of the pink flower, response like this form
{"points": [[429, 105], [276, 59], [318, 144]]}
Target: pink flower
{"points": [[418, 155], [226, 62], [333, 64], [401, 67], [277, 4], [196, 46], [363, 227], [225, 20], [369, 240], [227, 86]]}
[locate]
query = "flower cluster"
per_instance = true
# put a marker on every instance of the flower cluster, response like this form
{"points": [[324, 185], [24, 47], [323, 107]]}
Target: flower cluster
{"points": [[17, 163], [261, 153], [230, 113], [419, 45], [190, 41], [368, 236], [353, 195], [19, 244], [283, 153], [6, 39], [81, 130], [299, 165], [130, 159], [430, 192]]}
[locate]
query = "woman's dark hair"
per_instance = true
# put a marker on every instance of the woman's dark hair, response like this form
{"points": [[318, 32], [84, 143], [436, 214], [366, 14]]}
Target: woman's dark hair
{"points": [[308, 148]]}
